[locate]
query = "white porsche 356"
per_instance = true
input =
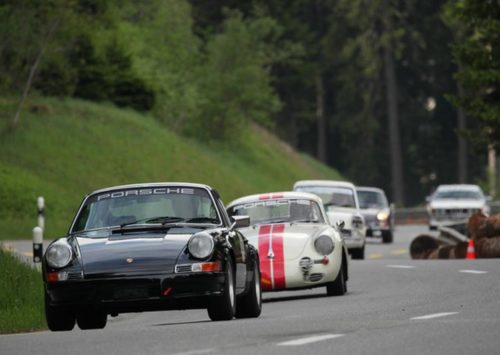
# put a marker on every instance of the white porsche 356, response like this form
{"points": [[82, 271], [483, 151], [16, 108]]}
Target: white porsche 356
{"points": [[297, 247]]}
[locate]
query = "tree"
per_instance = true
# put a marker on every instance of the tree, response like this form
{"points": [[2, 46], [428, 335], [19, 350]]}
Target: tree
{"points": [[478, 55]]}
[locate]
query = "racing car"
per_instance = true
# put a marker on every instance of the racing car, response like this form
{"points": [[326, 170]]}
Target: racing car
{"points": [[297, 247], [148, 247]]}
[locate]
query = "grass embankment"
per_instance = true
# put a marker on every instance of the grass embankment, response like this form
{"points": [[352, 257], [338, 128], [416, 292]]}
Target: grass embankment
{"points": [[63, 149], [21, 297]]}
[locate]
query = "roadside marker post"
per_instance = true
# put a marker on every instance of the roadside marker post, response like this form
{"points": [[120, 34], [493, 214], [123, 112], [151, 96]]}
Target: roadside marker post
{"points": [[37, 245], [40, 204], [38, 232]]}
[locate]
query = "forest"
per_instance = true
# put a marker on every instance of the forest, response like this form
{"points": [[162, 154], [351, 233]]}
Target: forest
{"points": [[399, 94]]}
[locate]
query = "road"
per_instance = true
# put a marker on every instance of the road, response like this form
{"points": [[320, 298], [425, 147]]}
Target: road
{"points": [[394, 305]]}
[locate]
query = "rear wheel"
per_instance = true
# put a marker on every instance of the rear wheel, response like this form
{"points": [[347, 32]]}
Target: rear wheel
{"points": [[58, 318], [91, 319], [339, 286], [224, 307], [250, 305]]}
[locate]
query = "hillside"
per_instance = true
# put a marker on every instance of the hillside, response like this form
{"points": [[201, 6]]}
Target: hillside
{"points": [[63, 149]]}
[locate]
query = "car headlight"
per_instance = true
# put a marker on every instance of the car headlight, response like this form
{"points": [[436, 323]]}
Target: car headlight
{"points": [[324, 245], [382, 215], [59, 255], [201, 245]]}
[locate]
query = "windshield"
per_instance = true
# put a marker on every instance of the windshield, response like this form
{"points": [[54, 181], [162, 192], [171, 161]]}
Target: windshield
{"points": [[459, 194], [371, 199], [146, 205], [279, 211], [332, 196]]}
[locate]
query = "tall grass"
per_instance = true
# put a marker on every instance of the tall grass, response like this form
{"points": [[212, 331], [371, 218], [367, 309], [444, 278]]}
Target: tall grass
{"points": [[21, 296], [63, 149]]}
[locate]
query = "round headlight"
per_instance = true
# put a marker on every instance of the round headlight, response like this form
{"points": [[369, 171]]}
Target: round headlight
{"points": [[382, 215], [59, 255], [201, 245], [324, 245]]}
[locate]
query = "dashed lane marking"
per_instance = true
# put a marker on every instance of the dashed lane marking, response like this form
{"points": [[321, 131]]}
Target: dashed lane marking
{"points": [[477, 272], [399, 252], [434, 315], [375, 256], [196, 352], [311, 339], [401, 266]]}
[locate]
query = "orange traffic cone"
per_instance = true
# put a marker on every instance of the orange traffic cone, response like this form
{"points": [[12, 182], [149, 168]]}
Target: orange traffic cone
{"points": [[471, 252]]}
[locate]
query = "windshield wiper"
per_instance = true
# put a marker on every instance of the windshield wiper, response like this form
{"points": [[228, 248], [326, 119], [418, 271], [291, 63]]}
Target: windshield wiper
{"points": [[203, 220], [160, 219]]}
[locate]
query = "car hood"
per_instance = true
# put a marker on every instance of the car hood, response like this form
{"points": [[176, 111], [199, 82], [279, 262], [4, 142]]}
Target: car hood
{"points": [[284, 241], [341, 215], [129, 254], [450, 203], [369, 212]]}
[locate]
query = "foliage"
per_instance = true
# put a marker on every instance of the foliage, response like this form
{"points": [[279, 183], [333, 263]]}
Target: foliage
{"points": [[477, 52], [236, 79], [21, 299], [66, 148]]}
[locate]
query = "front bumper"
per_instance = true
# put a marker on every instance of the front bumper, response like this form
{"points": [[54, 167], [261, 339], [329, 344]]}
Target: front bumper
{"points": [[136, 294], [353, 240]]}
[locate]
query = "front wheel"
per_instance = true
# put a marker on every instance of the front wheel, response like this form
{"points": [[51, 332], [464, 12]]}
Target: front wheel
{"points": [[358, 253], [91, 319], [339, 286], [250, 305], [224, 307], [387, 237], [58, 318]]}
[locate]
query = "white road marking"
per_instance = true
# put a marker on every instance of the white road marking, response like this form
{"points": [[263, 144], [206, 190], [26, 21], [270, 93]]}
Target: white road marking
{"points": [[308, 340], [401, 266], [473, 271], [196, 352], [435, 315]]}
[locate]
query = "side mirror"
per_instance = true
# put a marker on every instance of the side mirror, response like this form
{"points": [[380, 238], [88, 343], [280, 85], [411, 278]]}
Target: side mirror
{"points": [[488, 198], [340, 225], [240, 222], [428, 199]]}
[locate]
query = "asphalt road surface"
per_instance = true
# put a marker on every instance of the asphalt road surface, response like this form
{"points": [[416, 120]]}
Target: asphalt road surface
{"points": [[394, 305]]}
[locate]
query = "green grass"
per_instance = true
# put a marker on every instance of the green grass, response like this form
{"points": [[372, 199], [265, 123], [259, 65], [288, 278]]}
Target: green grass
{"points": [[21, 298], [64, 149]]}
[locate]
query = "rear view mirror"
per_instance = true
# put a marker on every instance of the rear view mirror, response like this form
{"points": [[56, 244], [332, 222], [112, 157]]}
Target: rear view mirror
{"points": [[240, 222]]}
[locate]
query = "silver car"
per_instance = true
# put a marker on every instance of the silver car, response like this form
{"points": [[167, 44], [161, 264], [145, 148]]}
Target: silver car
{"points": [[451, 204]]}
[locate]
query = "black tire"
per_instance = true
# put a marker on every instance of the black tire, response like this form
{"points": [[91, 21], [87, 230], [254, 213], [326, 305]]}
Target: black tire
{"points": [[224, 307], [339, 286], [250, 305], [387, 237], [359, 253], [58, 318], [91, 319]]}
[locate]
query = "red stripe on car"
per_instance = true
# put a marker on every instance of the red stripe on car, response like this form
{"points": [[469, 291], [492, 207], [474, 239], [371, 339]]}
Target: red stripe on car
{"points": [[279, 256], [264, 197], [277, 196], [265, 263]]}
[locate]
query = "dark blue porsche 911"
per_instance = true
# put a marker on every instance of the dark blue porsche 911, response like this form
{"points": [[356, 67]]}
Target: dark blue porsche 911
{"points": [[148, 247]]}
